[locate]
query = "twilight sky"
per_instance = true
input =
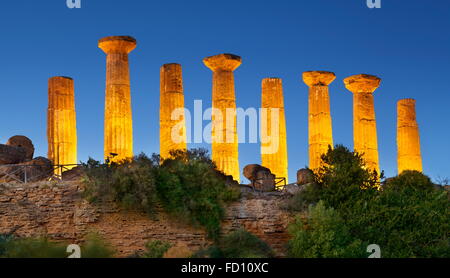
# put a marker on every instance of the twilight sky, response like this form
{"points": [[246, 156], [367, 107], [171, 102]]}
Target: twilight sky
{"points": [[406, 43]]}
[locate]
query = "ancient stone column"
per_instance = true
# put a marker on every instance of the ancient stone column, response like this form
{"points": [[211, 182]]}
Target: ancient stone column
{"points": [[364, 123], [172, 132], [61, 122], [118, 116], [274, 147], [320, 131], [224, 130], [408, 138]]}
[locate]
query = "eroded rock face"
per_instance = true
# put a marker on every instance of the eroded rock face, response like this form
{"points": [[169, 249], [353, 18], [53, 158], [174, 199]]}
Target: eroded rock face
{"points": [[304, 176], [22, 142], [11, 155], [261, 177]]}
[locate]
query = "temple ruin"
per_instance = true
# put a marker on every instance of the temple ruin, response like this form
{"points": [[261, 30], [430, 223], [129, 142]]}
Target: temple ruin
{"points": [[274, 147], [364, 123], [408, 138], [320, 130], [172, 134], [61, 122], [118, 138], [224, 135]]}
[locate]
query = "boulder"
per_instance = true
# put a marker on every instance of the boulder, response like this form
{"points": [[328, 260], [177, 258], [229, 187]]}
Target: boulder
{"points": [[11, 155], [251, 171], [305, 176], [72, 174], [261, 177], [22, 142]]}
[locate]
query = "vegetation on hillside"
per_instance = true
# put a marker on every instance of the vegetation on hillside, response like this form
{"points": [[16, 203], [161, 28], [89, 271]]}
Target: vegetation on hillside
{"points": [[187, 186], [348, 209]]}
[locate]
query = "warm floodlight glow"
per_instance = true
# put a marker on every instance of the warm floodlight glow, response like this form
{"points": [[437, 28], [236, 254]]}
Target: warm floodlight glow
{"points": [[320, 131], [224, 131], [172, 133], [364, 123], [408, 137], [61, 121], [118, 115], [274, 148]]}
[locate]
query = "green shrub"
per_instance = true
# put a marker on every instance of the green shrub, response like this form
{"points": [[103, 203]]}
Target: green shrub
{"points": [[130, 184], [190, 188], [33, 248], [187, 186], [156, 249], [238, 244], [323, 235], [303, 199], [96, 247], [407, 217]]}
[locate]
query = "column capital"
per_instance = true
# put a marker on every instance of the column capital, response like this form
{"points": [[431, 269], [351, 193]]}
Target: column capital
{"points": [[362, 83], [117, 44], [318, 78], [223, 62]]}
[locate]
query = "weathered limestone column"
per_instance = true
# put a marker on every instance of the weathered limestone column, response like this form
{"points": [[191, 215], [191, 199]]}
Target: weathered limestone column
{"points": [[364, 123], [118, 115], [320, 130], [61, 122], [224, 127], [171, 112], [408, 138], [274, 147]]}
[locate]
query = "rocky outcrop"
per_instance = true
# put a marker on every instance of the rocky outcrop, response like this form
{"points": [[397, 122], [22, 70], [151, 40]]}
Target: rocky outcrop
{"points": [[260, 177], [305, 176], [11, 155], [59, 212], [24, 143]]}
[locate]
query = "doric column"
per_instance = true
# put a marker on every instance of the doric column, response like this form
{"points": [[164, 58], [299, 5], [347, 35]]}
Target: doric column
{"points": [[274, 147], [61, 122], [224, 130], [171, 112], [118, 115], [408, 138], [320, 130], [364, 123]]}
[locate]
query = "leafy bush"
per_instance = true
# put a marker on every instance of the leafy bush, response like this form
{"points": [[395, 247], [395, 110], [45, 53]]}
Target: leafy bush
{"points": [[130, 184], [96, 247], [33, 248], [187, 186], [190, 188], [407, 217], [156, 249], [238, 244], [323, 234]]}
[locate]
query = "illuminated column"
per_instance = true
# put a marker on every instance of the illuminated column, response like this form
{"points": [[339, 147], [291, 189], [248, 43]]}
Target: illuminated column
{"points": [[61, 122], [224, 131], [118, 116], [171, 112], [319, 116], [364, 123], [408, 138], [273, 125]]}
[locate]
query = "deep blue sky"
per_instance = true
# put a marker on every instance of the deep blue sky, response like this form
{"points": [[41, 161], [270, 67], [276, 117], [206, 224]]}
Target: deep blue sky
{"points": [[406, 43]]}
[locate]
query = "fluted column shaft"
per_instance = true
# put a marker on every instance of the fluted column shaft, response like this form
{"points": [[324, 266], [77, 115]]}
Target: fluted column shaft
{"points": [[364, 121], [274, 147], [225, 152], [408, 138], [320, 130], [61, 122], [172, 117], [118, 115]]}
